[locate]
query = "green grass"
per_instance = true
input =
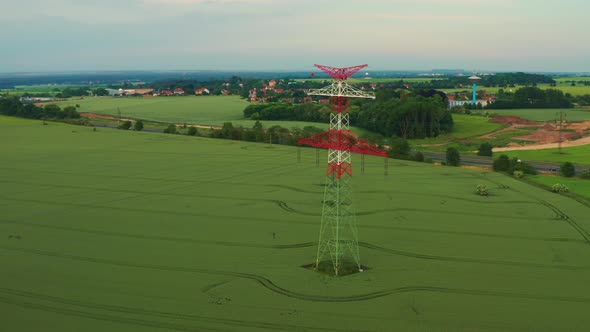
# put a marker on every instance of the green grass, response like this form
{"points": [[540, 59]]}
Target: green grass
{"points": [[574, 154], [466, 126], [575, 185], [209, 110], [124, 231], [543, 115]]}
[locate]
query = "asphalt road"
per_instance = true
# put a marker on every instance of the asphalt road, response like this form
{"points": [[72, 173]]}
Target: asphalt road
{"points": [[541, 166]]}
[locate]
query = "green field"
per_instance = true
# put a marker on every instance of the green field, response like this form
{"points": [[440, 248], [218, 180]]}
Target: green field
{"points": [[574, 154], [130, 231], [575, 185], [210, 110], [466, 126], [573, 114]]}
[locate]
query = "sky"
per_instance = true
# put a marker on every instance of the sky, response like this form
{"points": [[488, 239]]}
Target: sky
{"points": [[89, 35]]}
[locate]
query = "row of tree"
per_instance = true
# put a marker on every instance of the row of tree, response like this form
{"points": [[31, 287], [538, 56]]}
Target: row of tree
{"points": [[532, 97], [408, 116], [12, 106]]}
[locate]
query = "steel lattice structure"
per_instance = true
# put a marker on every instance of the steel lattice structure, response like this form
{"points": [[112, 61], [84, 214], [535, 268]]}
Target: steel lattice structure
{"points": [[338, 240]]}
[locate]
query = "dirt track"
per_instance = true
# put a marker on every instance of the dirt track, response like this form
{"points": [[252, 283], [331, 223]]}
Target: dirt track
{"points": [[108, 117], [578, 142]]}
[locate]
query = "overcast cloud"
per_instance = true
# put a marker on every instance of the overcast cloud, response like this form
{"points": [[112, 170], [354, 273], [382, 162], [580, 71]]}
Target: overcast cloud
{"points": [[56, 35]]}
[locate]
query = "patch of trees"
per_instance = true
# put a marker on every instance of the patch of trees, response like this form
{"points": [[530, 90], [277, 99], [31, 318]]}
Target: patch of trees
{"points": [[14, 107], [272, 135], [532, 97], [389, 115], [504, 164]]}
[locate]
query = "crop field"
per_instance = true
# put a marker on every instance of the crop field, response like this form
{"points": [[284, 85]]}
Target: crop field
{"points": [[543, 115], [131, 231], [209, 110], [465, 126]]}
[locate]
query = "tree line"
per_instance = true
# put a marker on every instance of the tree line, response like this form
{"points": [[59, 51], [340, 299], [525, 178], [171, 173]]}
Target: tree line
{"points": [[391, 114], [531, 97], [12, 106]]}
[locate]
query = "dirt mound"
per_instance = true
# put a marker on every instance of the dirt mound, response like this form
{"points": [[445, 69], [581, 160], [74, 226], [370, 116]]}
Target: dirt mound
{"points": [[511, 120], [543, 136], [578, 126]]}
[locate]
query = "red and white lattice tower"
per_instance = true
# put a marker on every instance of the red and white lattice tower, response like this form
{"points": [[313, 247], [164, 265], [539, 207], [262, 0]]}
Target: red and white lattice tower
{"points": [[338, 242]]}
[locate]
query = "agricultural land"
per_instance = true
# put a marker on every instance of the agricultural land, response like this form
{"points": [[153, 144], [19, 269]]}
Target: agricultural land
{"points": [[112, 230]]}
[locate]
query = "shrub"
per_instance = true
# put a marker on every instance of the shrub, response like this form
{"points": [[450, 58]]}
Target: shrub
{"points": [[399, 148], [125, 125], [567, 170], [519, 165], [192, 131], [138, 126], [518, 174], [485, 149], [482, 190], [560, 188], [429, 160], [419, 157], [453, 157], [585, 174], [170, 130]]}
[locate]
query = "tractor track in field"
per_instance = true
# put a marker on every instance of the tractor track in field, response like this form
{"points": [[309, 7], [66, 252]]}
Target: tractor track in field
{"points": [[471, 260], [271, 286], [563, 216], [163, 238], [20, 298], [559, 214], [297, 246]]}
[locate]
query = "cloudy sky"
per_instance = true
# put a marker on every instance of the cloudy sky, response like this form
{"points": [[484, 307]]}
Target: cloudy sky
{"points": [[58, 35]]}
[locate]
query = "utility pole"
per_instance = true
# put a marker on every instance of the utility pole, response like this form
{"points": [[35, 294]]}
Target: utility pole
{"points": [[562, 117], [119, 120]]}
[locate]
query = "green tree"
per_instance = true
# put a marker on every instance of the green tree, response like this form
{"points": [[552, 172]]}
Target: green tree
{"points": [[138, 126], [453, 157], [501, 164], [192, 131], [485, 149], [125, 125], [567, 170], [399, 148], [171, 129]]}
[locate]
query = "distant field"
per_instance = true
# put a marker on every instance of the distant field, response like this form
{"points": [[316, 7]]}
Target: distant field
{"points": [[209, 110], [466, 126], [574, 154], [572, 114], [578, 186]]}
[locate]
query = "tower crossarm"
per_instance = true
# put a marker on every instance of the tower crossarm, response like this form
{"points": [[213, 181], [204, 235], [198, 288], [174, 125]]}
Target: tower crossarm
{"points": [[341, 89], [340, 74], [342, 140]]}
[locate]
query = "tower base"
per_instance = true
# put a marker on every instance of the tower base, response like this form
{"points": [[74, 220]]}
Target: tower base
{"points": [[327, 268]]}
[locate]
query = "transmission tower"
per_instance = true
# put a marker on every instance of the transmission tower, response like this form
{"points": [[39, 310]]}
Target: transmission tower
{"points": [[338, 242]]}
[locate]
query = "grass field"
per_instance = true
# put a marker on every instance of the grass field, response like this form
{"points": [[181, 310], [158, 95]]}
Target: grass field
{"points": [[575, 185], [466, 126], [125, 231], [574, 114], [574, 154], [210, 110]]}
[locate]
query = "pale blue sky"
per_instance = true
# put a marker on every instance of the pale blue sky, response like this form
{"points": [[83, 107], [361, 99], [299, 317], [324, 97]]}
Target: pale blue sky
{"points": [[529, 35]]}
